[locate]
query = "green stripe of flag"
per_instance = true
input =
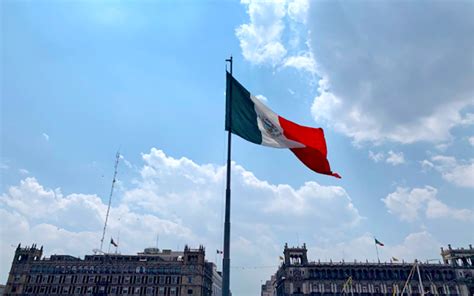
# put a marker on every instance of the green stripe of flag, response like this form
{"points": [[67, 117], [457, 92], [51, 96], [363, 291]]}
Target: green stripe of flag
{"points": [[244, 118]]}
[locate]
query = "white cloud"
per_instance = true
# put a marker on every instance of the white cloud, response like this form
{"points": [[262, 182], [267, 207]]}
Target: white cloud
{"points": [[261, 39], [301, 62], [326, 103], [256, 197], [171, 196], [73, 211], [46, 136], [262, 98], [410, 205], [376, 157], [385, 80], [395, 158], [460, 173], [4, 166], [298, 10]]}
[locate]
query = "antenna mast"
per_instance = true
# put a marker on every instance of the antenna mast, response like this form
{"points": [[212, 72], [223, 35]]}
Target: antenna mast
{"points": [[117, 158]]}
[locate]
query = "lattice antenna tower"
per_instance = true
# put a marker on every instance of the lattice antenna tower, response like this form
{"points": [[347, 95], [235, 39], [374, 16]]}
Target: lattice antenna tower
{"points": [[117, 158]]}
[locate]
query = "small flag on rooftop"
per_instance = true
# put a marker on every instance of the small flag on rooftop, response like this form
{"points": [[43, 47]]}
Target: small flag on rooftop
{"points": [[113, 243], [378, 243]]}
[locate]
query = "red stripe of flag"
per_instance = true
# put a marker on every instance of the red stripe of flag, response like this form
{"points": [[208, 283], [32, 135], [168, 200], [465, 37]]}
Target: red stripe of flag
{"points": [[315, 153]]}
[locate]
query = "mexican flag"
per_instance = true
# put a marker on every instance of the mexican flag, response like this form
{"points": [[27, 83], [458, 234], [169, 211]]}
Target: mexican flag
{"points": [[253, 121], [377, 242]]}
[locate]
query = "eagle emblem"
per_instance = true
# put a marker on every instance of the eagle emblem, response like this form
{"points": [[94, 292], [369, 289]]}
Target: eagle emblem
{"points": [[270, 127]]}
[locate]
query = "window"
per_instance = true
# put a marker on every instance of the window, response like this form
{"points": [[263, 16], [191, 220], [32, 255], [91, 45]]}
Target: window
{"points": [[190, 291], [190, 279], [161, 291]]}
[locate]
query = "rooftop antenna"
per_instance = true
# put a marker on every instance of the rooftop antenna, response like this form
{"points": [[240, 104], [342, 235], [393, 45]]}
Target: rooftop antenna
{"points": [[117, 158]]}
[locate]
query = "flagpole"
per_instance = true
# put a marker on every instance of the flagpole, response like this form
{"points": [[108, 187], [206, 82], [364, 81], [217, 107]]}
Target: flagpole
{"points": [[226, 259]]}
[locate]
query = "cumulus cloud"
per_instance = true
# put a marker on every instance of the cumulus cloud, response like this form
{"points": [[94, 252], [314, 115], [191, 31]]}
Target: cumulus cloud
{"points": [[301, 62], [391, 78], [460, 173], [410, 205], [201, 186], [298, 10], [261, 39], [170, 197], [73, 212]]}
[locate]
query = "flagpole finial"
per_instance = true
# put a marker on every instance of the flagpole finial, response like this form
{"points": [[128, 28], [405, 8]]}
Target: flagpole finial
{"points": [[230, 60]]}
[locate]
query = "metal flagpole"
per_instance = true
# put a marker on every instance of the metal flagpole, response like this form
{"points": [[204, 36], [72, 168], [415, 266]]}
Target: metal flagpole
{"points": [[422, 288], [226, 259], [117, 158]]}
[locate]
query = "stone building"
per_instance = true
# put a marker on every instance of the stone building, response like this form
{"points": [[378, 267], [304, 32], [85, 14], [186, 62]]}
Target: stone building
{"points": [[298, 276], [152, 272]]}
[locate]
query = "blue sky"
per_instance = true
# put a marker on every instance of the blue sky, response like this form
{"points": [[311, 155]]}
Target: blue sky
{"points": [[390, 84]]}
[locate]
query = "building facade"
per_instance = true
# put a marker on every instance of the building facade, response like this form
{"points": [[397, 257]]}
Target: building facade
{"points": [[152, 272], [298, 276]]}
